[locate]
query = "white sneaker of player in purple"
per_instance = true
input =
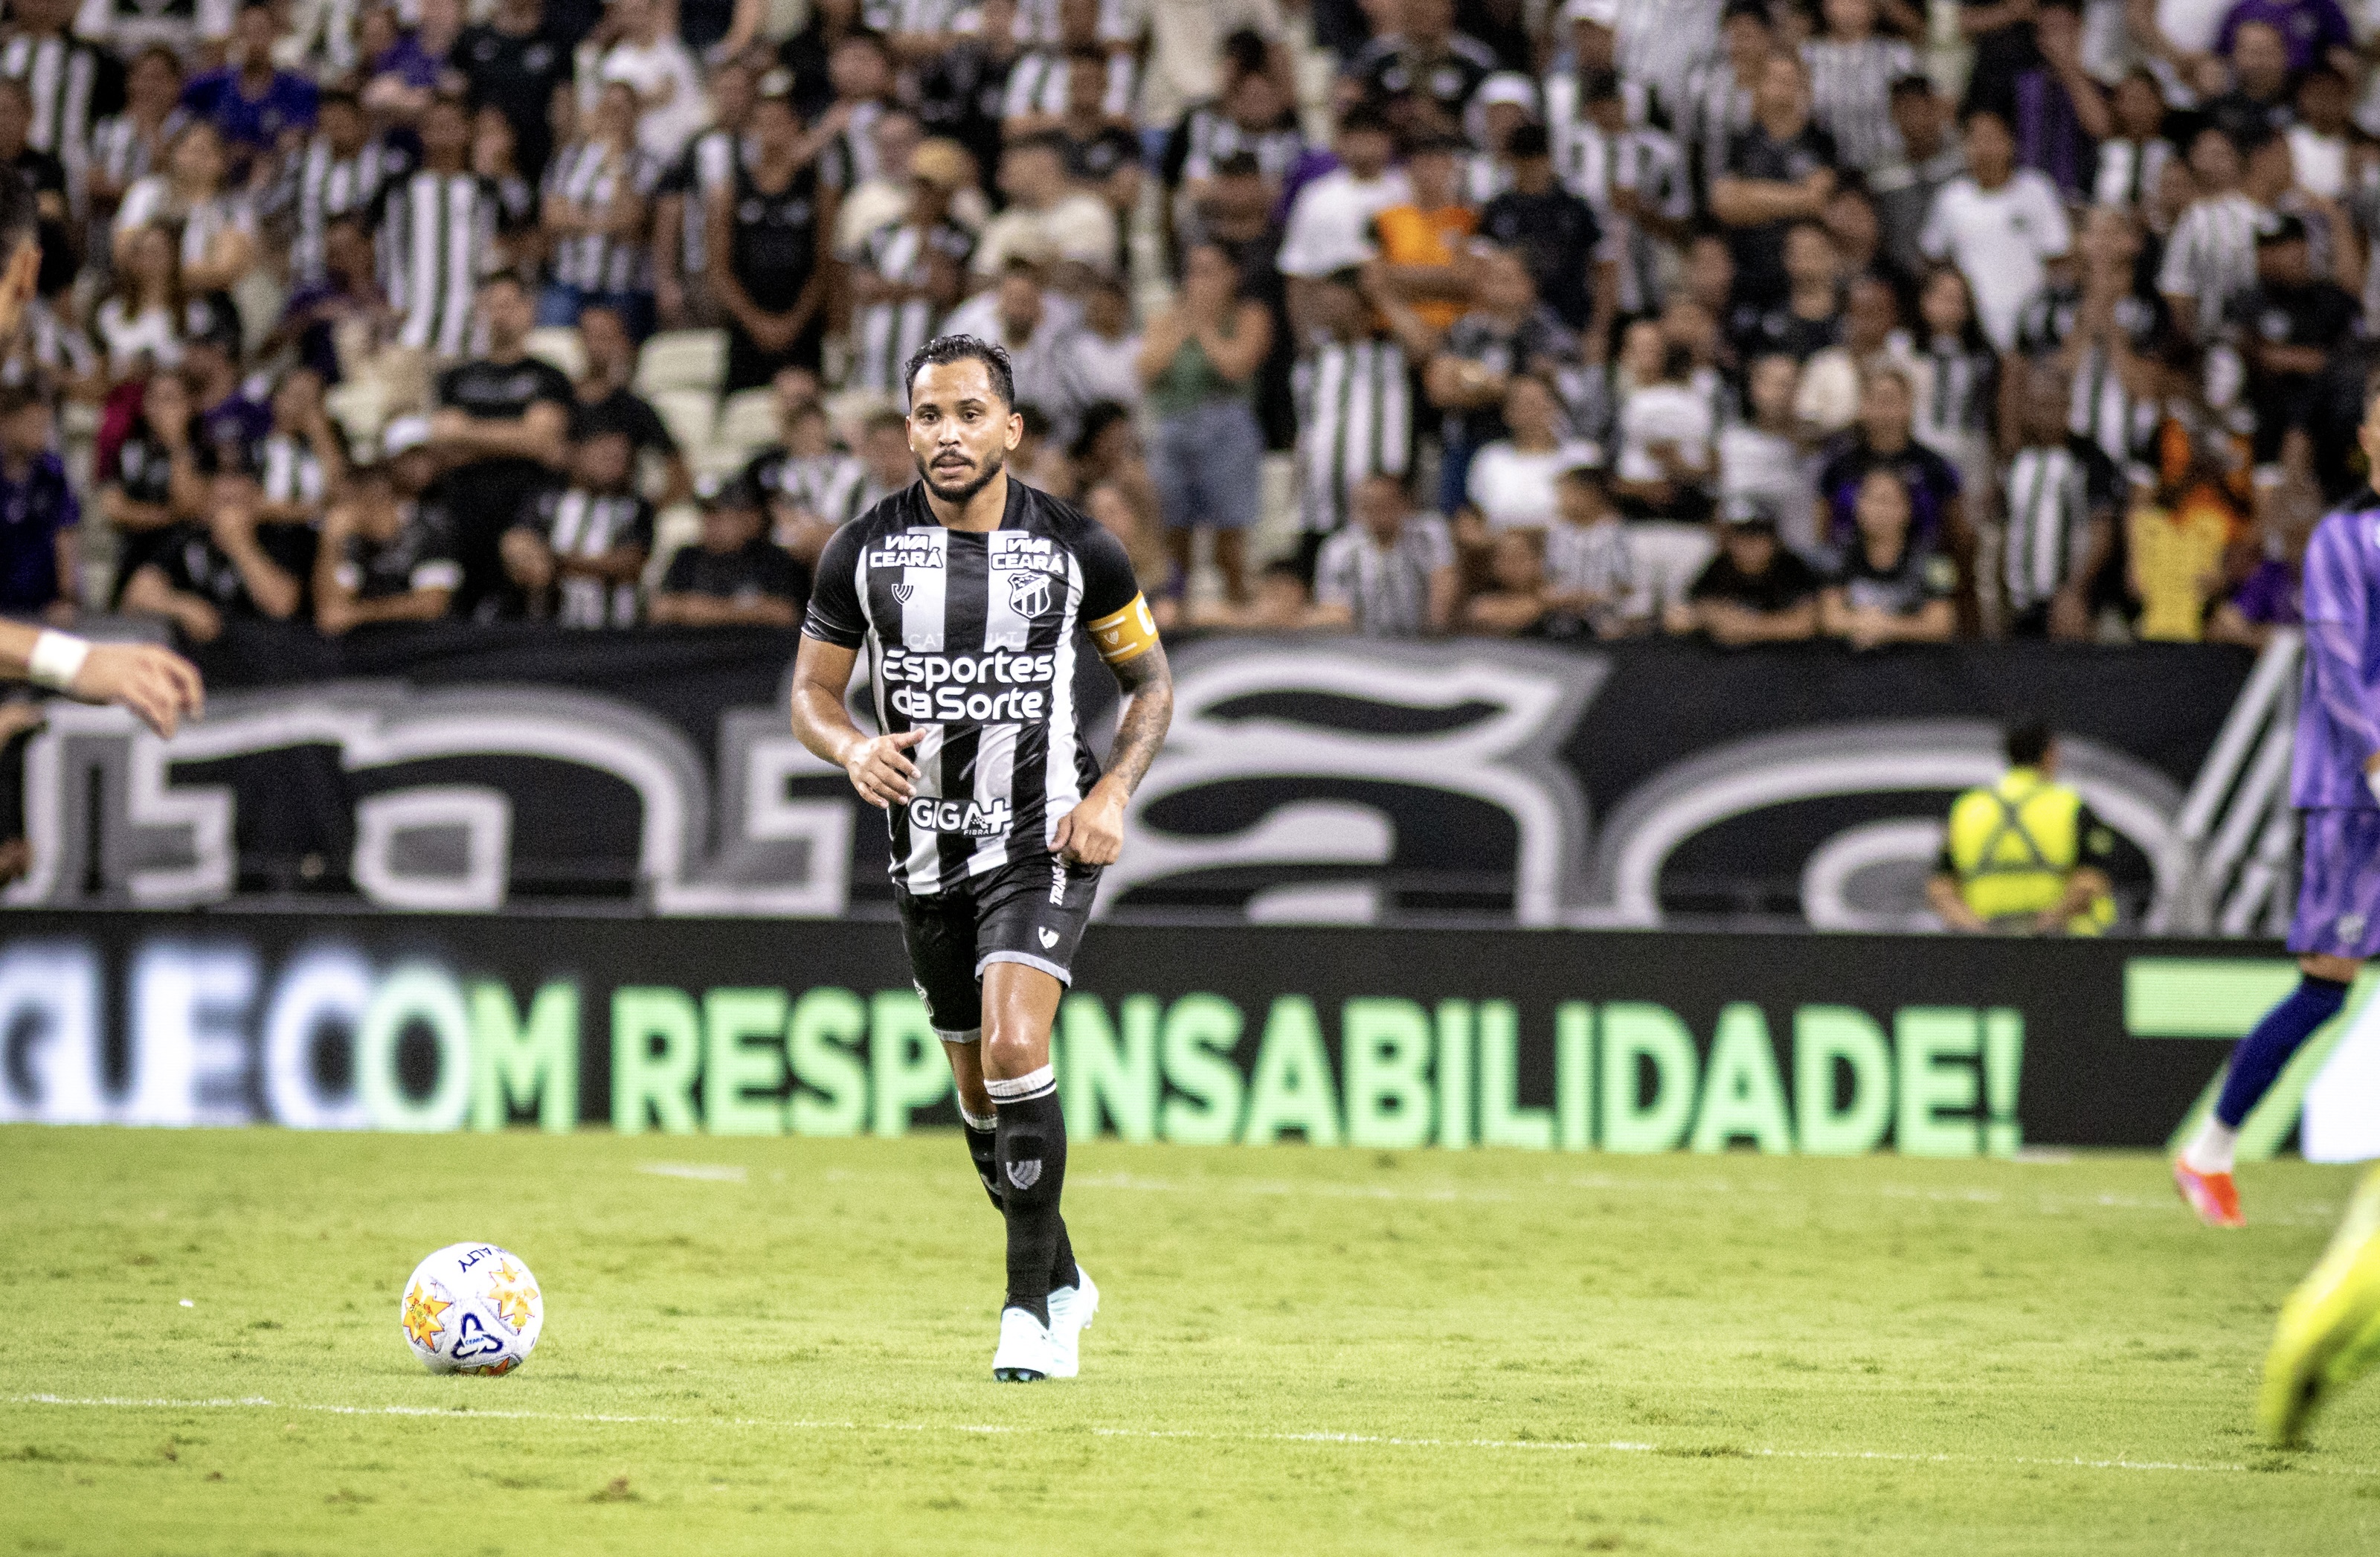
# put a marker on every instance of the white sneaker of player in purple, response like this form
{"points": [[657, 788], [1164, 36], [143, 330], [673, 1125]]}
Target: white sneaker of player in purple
{"points": [[1071, 1311]]}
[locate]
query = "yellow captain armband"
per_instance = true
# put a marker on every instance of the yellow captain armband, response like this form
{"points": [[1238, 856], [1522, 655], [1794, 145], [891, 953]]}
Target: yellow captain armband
{"points": [[1127, 635]]}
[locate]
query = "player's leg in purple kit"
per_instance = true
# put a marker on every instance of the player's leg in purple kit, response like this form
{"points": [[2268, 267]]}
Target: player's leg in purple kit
{"points": [[2337, 927]]}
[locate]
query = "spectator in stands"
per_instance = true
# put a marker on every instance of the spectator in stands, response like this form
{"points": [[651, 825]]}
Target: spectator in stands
{"points": [[1105, 352], [1280, 601], [1890, 586], [1635, 179], [576, 551], [844, 137], [733, 577], [1930, 157], [1518, 600], [1885, 440], [682, 203], [910, 272], [301, 461], [2273, 594], [1997, 223], [1102, 154], [1254, 112], [1665, 432], [1329, 224], [1049, 218], [1810, 318], [140, 323], [596, 212], [2287, 326], [208, 573], [500, 428], [1354, 415], [2258, 104], [139, 492], [218, 226], [883, 195], [2062, 111], [1852, 72], [1421, 239], [345, 304], [885, 461], [515, 62], [1777, 173], [2025, 855], [960, 91], [1960, 373], [1389, 573], [2134, 156], [1767, 457], [230, 421], [436, 225], [1121, 515], [1589, 569], [2176, 537], [1198, 362], [1507, 331], [1555, 233], [606, 402], [41, 560], [127, 146], [1036, 328], [258, 109], [2212, 256], [1423, 75], [388, 552], [810, 487], [2062, 498], [770, 246], [1513, 481], [649, 58], [1755, 591], [2322, 139]]}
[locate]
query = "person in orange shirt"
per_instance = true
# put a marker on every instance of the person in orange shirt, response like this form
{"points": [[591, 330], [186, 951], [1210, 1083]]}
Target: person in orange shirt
{"points": [[1422, 242]]}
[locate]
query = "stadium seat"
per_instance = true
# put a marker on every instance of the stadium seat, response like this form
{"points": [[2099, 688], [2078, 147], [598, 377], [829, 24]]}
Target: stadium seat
{"points": [[675, 529], [559, 344], [688, 414], [748, 422], [682, 359]]}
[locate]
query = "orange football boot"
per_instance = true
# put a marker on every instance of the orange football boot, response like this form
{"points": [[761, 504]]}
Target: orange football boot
{"points": [[2212, 1196]]}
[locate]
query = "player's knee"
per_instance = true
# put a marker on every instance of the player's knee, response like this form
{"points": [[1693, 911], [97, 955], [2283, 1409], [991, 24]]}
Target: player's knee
{"points": [[1013, 1051]]}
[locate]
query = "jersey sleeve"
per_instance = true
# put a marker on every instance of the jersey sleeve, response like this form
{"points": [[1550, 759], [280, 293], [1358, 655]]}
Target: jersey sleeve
{"points": [[1117, 619], [835, 616]]}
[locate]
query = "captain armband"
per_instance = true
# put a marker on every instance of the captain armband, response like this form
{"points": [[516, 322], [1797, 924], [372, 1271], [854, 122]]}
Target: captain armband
{"points": [[1127, 635]]}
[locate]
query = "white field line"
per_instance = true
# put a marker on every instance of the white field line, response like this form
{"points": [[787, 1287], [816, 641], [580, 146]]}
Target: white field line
{"points": [[710, 1173], [1328, 1439]]}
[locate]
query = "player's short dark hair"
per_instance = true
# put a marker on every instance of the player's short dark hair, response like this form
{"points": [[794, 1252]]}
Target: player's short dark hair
{"points": [[2026, 740], [943, 350]]}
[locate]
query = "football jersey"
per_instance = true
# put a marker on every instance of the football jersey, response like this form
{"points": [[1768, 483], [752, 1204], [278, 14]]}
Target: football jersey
{"points": [[974, 638]]}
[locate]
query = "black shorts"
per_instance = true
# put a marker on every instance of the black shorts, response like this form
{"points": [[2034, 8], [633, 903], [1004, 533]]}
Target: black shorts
{"points": [[1032, 912]]}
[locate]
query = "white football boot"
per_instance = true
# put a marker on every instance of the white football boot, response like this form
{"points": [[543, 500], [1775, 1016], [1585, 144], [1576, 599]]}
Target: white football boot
{"points": [[1025, 1354], [1071, 1311]]}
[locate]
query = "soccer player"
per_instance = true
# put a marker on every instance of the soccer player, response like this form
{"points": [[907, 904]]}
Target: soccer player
{"points": [[2329, 1332], [971, 592], [156, 683], [2335, 784]]}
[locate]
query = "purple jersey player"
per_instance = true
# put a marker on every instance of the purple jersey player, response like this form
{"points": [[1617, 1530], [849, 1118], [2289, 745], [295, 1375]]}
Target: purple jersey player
{"points": [[2335, 787]]}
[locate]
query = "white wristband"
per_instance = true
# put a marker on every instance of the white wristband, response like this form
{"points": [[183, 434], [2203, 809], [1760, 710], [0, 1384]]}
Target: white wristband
{"points": [[57, 660]]}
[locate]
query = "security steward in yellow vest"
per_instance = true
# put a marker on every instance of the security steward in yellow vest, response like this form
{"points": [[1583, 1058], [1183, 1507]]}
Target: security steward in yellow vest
{"points": [[2024, 856]]}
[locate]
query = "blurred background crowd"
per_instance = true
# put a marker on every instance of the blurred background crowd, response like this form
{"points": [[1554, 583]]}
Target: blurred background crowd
{"points": [[1765, 320]]}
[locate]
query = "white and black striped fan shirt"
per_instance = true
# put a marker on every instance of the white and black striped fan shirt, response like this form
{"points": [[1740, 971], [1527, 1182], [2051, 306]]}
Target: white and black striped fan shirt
{"points": [[1592, 165], [587, 524], [1851, 91], [2102, 408], [324, 185], [883, 335], [1387, 588], [1660, 41], [591, 176], [289, 472], [1355, 419], [2129, 171], [2053, 492], [117, 150], [828, 485], [2212, 256], [1717, 109], [973, 638], [1965, 383], [436, 231], [1212, 137], [1038, 85], [62, 77]]}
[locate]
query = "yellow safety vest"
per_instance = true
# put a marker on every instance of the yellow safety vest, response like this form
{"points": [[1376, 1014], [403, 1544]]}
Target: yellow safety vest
{"points": [[2013, 845]]}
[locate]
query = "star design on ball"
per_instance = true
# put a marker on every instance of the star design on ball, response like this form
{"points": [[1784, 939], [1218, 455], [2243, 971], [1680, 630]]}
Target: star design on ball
{"points": [[511, 1303], [422, 1312]]}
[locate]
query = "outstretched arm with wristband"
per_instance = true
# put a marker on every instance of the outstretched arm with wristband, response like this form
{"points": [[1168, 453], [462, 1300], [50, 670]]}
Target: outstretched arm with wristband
{"points": [[157, 684]]}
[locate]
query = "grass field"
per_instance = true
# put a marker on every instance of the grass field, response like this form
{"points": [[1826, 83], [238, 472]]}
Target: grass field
{"points": [[784, 1346]]}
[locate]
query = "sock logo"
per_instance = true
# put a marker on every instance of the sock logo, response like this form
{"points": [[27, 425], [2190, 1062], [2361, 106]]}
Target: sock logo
{"points": [[1048, 938], [1025, 1176]]}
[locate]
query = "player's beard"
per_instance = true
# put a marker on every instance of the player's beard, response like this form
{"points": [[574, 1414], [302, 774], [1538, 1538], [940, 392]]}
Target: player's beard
{"points": [[994, 463]]}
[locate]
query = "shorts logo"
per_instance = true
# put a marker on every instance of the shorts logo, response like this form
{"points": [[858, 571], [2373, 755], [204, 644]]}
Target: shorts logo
{"points": [[1048, 939], [1058, 882], [973, 819], [1025, 1176], [1028, 593], [2350, 929]]}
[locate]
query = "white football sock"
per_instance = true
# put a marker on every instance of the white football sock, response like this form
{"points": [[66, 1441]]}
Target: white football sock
{"points": [[2210, 1150]]}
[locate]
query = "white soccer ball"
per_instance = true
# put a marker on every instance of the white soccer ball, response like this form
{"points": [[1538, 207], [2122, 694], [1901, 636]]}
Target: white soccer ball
{"points": [[471, 1308]]}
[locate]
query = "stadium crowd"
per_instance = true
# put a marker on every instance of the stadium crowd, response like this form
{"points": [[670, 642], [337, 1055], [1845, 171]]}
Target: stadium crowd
{"points": [[1762, 319]]}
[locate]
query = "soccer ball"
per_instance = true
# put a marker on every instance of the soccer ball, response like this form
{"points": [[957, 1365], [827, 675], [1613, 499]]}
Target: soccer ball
{"points": [[471, 1308]]}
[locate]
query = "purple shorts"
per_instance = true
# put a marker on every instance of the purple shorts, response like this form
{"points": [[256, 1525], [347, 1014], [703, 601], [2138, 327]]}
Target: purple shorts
{"points": [[2338, 898]]}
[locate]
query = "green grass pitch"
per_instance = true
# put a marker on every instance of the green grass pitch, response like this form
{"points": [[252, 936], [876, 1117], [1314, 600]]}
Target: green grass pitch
{"points": [[784, 1346]]}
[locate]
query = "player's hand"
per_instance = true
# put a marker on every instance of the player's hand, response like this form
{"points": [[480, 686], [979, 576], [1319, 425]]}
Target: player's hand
{"points": [[881, 772], [1092, 834], [157, 684]]}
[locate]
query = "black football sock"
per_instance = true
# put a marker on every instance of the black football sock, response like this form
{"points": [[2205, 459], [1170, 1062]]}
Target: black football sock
{"points": [[979, 1137], [1062, 1266], [1030, 1150]]}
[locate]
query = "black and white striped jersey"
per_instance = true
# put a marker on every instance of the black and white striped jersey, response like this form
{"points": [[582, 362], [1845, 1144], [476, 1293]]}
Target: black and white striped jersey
{"points": [[883, 335], [323, 185], [591, 176], [437, 232], [587, 525], [1355, 419], [974, 638], [71, 85], [828, 485]]}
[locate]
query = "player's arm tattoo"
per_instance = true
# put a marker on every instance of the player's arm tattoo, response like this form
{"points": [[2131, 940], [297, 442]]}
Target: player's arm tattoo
{"points": [[1147, 682]]}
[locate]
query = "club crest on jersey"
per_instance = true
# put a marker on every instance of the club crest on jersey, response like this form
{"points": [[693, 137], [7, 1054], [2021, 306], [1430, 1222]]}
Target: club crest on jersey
{"points": [[1028, 593], [971, 819]]}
